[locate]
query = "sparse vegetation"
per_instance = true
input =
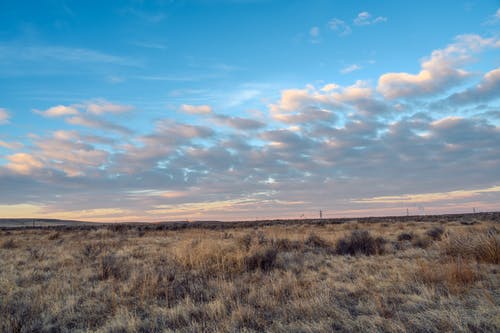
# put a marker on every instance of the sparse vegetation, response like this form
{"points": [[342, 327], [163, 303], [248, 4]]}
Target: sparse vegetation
{"points": [[360, 242], [435, 233], [408, 276]]}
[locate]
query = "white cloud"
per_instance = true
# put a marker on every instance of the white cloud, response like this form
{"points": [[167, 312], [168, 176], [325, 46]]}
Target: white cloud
{"points": [[350, 69], [342, 28], [58, 111], [438, 72], [493, 19], [4, 116], [314, 32], [430, 197], [330, 87], [102, 107], [365, 18], [98, 107], [314, 35], [196, 109]]}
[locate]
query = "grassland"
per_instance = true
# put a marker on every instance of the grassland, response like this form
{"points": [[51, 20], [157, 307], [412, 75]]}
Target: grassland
{"points": [[434, 274]]}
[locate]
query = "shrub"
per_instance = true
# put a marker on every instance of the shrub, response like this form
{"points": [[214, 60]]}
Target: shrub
{"points": [[36, 253], [405, 236], [92, 250], [315, 242], [264, 259], [112, 267], [245, 241], [9, 244], [285, 244], [468, 222], [421, 241], [435, 233], [54, 236], [261, 238], [360, 242]]}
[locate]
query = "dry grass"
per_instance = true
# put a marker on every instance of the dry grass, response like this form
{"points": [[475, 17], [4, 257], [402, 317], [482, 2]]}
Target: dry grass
{"points": [[439, 276], [484, 247]]}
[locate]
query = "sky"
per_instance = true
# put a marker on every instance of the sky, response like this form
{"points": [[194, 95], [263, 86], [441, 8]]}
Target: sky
{"points": [[248, 109]]}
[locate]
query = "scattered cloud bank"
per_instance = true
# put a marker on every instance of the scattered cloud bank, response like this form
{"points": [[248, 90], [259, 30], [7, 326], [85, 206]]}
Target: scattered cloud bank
{"points": [[332, 147]]}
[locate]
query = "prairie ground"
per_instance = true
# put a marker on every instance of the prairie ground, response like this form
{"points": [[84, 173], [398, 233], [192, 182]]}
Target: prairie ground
{"points": [[384, 276]]}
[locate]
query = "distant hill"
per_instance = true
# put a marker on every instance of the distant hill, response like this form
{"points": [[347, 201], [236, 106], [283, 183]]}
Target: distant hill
{"points": [[26, 222]]}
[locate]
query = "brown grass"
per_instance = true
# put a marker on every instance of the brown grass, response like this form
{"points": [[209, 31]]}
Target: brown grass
{"points": [[454, 276], [483, 246], [386, 276]]}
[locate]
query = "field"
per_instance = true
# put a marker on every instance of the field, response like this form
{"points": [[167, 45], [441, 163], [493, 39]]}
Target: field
{"points": [[411, 274]]}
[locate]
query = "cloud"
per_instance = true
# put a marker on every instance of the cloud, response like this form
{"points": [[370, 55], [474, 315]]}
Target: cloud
{"points": [[342, 28], [350, 69], [45, 53], [330, 87], [88, 121], [358, 91], [175, 131], [239, 122], [314, 32], [4, 116], [303, 106], [102, 107], [438, 72], [98, 107], [486, 90], [332, 147], [11, 145], [493, 19], [163, 144], [65, 152], [196, 109], [306, 106], [58, 111], [429, 197], [365, 18], [182, 165], [23, 163]]}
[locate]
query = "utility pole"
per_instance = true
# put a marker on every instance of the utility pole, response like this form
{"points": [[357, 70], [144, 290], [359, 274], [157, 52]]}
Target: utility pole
{"points": [[320, 214], [474, 210], [407, 212]]}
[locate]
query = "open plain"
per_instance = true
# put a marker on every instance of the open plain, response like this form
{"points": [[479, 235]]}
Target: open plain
{"points": [[408, 274]]}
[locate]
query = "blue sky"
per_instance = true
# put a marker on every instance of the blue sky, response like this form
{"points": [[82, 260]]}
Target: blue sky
{"points": [[164, 110]]}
